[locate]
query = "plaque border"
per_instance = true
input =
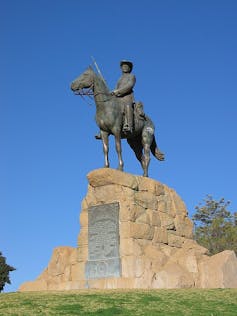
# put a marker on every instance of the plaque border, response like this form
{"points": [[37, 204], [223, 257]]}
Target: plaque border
{"points": [[112, 266]]}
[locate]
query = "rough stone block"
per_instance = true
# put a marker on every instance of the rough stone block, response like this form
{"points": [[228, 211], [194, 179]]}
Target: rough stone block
{"points": [[150, 185], [84, 218], [129, 247], [160, 235], [172, 276], [78, 271], [166, 221], [105, 176], [183, 226], [128, 264], [37, 285], [219, 271], [146, 200], [154, 218], [142, 231], [107, 194], [175, 241]]}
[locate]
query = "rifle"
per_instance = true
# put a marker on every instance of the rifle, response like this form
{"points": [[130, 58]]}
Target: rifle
{"points": [[98, 69]]}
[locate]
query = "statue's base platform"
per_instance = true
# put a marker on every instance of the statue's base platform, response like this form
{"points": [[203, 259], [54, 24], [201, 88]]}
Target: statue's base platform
{"points": [[135, 233]]}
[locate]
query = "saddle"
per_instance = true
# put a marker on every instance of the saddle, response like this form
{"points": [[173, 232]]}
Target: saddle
{"points": [[133, 116], [138, 117]]}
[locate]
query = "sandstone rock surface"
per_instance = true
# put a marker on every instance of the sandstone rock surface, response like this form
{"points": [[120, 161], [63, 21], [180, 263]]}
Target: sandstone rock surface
{"points": [[156, 245]]}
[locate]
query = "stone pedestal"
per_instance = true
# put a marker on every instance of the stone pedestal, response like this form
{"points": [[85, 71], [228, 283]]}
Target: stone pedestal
{"points": [[135, 233]]}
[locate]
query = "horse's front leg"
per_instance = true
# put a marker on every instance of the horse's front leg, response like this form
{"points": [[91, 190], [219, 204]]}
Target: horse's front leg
{"points": [[105, 140], [119, 151]]}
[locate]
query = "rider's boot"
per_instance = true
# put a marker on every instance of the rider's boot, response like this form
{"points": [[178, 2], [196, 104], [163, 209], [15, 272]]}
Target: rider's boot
{"points": [[128, 125]]}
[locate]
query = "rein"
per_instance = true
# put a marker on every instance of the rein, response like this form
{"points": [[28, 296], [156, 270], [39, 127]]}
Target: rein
{"points": [[89, 93], [85, 92]]}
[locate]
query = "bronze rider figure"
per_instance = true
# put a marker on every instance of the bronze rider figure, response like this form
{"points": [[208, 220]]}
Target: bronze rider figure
{"points": [[124, 91]]}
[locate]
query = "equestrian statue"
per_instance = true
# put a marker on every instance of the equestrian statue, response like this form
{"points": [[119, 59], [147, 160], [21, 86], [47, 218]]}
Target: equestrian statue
{"points": [[118, 114]]}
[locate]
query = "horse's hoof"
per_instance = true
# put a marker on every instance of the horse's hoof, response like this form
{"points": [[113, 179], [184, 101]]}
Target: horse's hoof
{"points": [[98, 136]]}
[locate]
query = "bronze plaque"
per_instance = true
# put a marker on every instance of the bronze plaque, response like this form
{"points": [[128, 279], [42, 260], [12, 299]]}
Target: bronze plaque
{"points": [[103, 241]]}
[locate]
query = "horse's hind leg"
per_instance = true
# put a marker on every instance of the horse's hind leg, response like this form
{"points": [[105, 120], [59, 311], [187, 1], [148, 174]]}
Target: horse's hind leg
{"points": [[146, 159], [147, 138], [136, 145]]}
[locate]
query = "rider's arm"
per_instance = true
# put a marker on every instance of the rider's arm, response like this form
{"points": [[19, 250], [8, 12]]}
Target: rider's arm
{"points": [[127, 87]]}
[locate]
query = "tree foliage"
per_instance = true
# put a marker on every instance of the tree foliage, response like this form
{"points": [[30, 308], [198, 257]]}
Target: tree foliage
{"points": [[215, 226], [4, 272]]}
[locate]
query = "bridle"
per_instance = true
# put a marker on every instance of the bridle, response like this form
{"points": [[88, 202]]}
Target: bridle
{"points": [[89, 92]]}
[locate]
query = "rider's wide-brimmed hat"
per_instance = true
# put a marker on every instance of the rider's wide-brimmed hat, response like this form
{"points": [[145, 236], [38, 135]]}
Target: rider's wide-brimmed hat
{"points": [[126, 62]]}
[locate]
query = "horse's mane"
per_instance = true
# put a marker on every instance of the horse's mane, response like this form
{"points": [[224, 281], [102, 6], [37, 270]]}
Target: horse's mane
{"points": [[100, 81]]}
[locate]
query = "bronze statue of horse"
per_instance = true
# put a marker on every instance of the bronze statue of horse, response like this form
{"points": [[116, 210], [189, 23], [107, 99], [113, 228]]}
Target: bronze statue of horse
{"points": [[109, 118]]}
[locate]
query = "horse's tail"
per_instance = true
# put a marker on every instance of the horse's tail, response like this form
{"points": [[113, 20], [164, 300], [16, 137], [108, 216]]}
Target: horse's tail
{"points": [[156, 151]]}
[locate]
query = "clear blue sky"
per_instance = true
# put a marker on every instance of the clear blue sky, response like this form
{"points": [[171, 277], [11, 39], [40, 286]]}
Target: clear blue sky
{"points": [[185, 62]]}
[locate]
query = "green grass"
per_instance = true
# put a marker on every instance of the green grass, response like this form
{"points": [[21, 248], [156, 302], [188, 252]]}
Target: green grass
{"points": [[218, 302]]}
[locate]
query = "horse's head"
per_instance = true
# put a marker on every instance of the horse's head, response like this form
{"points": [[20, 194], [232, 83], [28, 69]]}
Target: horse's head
{"points": [[85, 80]]}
